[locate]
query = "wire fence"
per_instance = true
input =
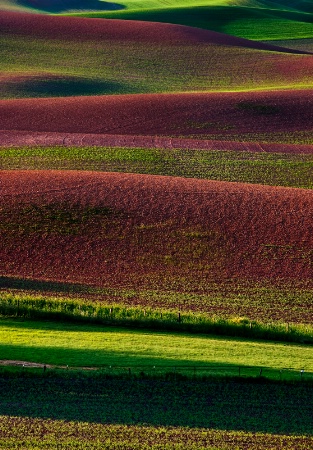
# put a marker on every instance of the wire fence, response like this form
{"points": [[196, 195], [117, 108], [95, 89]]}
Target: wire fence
{"points": [[175, 371]]}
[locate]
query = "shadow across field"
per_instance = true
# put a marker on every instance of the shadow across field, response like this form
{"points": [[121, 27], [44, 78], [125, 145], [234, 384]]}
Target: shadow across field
{"points": [[31, 285], [222, 404], [59, 6], [59, 86]]}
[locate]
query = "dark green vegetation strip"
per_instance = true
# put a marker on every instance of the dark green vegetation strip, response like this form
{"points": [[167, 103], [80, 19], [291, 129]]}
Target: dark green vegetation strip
{"points": [[276, 169], [66, 309], [231, 405], [261, 302]]}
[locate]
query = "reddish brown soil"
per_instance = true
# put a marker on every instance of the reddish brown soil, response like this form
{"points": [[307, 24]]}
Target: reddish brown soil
{"points": [[136, 230], [175, 115], [73, 28], [25, 138]]}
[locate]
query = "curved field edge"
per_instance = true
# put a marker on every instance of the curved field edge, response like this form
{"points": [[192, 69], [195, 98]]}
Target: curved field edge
{"points": [[276, 169], [258, 24], [83, 29], [250, 20]]}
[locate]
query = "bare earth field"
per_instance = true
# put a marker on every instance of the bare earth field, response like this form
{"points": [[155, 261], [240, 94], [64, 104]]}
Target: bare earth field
{"points": [[136, 230], [211, 115]]}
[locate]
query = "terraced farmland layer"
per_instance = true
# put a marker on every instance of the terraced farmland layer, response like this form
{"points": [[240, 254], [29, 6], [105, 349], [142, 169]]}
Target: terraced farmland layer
{"points": [[147, 231], [93, 57], [243, 116]]}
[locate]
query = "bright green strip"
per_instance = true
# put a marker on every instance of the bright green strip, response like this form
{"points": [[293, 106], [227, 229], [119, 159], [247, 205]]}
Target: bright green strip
{"points": [[262, 168], [78, 345]]}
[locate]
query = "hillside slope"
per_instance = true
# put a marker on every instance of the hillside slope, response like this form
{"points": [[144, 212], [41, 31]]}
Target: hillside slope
{"points": [[114, 229], [44, 56], [225, 116]]}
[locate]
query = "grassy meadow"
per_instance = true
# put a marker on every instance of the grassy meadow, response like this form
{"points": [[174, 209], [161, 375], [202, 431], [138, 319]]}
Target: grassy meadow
{"points": [[78, 345], [155, 298]]}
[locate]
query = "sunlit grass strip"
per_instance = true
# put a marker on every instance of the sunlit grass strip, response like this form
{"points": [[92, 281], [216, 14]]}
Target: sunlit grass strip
{"points": [[277, 169], [125, 351], [32, 307]]}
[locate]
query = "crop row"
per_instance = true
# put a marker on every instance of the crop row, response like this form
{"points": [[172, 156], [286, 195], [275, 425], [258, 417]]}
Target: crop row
{"points": [[261, 302], [33, 307]]}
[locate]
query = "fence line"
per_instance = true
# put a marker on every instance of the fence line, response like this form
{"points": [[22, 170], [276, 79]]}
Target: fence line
{"points": [[286, 373]]}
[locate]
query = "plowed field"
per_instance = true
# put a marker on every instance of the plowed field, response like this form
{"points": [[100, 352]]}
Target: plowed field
{"points": [[137, 230], [218, 115]]}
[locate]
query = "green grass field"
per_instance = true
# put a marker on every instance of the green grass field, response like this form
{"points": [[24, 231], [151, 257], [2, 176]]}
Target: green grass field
{"points": [[79, 345], [263, 168]]}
